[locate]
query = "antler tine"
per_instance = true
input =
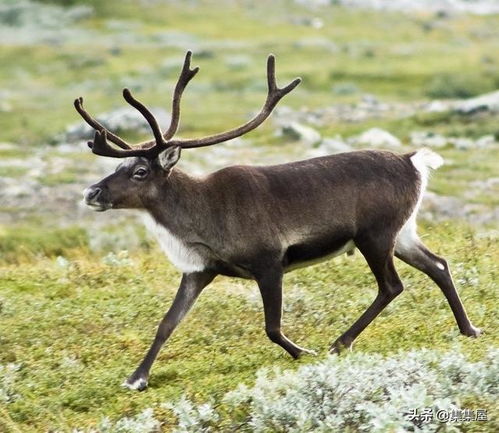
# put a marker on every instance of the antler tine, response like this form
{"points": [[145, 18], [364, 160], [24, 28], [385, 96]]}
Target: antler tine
{"points": [[100, 146], [274, 95], [149, 149], [185, 76], [153, 123], [271, 83], [78, 103]]}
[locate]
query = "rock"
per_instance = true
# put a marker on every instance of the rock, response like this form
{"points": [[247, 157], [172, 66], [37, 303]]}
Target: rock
{"points": [[486, 142], [439, 206], [27, 22], [369, 100], [462, 143], [427, 139], [489, 185], [368, 107], [430, 139], [13, 189], [27, 13], [376, 137], [436, 207], [442, 8], [335, 145], [487, 102], [298, 132], [436, 106], [122, 119], [329, 146], [8, 146]]}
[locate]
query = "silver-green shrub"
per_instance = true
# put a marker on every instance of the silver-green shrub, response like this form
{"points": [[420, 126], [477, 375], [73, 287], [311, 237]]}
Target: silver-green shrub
{"points": [[144, 422], [8, 375], [352, 393], [359, 392]]}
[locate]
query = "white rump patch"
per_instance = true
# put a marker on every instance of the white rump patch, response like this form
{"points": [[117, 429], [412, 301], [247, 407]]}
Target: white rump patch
{"points": [[428, 158], [407, 237], [182, 257], [422, 160]]}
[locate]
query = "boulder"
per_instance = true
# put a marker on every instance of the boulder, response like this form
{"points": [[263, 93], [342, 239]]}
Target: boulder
{"points": [[298, 132], [462, 143], [335, 145], [379, 138], [427, 139], [486, 142], [487, 102], [433, 140], [329, 146], [436, 106], [441, 8], [436, 207]]}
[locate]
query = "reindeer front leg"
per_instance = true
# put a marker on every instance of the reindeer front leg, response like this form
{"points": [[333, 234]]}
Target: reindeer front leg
{"points": [[190, 288]]}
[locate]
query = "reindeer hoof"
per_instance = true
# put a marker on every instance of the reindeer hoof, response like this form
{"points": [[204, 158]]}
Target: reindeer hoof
{"points": [[472, 332], [139, 384], [338, 346], [333, 350]]}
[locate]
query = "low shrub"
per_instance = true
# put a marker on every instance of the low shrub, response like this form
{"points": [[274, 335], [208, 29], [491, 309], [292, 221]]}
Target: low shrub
{"points": [[418, 391], [449, 86]]}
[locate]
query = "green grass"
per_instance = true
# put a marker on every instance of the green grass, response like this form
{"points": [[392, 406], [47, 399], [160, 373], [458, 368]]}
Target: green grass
{"points": [[27, 242], [54, 179], [7, 171], [79, 331], [398, 65]]}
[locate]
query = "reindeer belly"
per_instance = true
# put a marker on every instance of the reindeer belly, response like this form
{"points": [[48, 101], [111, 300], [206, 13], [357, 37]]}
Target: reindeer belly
{"points": [[309, 253]]}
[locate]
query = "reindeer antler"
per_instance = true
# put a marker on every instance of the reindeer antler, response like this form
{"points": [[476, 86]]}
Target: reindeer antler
{"points": [[151, 149], [274, 95], [185, 76]]}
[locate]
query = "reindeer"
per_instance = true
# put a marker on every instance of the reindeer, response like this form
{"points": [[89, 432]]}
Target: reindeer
{"points": [[258, 222]]}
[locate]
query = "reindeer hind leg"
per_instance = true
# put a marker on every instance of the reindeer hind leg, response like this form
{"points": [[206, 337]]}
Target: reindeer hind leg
{"points": [[378, 252], [412, 251]]}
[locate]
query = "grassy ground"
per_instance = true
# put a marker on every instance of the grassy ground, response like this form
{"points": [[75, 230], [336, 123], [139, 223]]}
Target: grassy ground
{"points": [[405, 63], [78, 328]]}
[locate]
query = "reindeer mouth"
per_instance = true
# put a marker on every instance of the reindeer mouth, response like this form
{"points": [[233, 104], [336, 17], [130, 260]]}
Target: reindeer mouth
{"points": [[99, 207], [92, 197]]}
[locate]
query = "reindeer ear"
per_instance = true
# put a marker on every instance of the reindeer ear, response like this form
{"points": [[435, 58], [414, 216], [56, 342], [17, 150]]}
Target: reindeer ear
{"points": [[169, 157]]}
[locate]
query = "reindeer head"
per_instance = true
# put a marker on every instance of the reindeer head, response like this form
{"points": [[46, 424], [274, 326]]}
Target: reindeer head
{"points": [[136, 181], [148, 165]]}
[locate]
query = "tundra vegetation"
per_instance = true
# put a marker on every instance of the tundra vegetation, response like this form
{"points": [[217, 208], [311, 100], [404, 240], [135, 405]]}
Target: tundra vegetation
{"points": [[81, 293]]}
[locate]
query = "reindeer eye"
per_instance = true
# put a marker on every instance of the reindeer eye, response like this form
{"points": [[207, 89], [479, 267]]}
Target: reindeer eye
{"points": [[140, 173]]}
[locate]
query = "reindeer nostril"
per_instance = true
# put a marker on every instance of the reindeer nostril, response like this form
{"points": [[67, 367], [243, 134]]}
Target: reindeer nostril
{"points": [[93, 194]]}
